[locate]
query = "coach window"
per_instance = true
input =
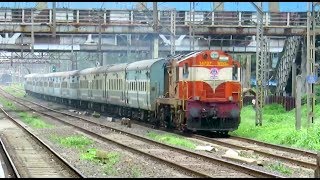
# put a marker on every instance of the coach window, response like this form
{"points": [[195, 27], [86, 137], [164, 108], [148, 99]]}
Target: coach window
{"points": [[185, 69], [139, 86], [235, 72]]}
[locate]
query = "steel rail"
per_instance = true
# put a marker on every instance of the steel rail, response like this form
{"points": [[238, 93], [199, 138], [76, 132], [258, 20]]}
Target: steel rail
{"points": [[10, 166], [241, 168], [71, 167]]}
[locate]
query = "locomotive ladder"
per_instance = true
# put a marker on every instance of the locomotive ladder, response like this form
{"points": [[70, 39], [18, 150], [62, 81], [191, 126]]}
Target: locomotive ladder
{"points": [[284, 65]]}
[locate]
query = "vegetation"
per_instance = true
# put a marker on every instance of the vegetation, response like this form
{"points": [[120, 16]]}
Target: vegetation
{"points": [[8, 104], [109, 160], [74, 141], [30, 119], [34, 120], [136, 172], [172, 139], [278, 127], [15, 89], [280, 168]]}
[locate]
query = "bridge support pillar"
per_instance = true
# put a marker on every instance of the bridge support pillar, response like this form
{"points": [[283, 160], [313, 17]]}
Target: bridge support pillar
{"points": [[293, 81], [155, 53], [104, 56], [248, 71]]}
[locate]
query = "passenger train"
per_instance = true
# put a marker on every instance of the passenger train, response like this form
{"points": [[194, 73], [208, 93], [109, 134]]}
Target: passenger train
{"points": [[197, 91]]}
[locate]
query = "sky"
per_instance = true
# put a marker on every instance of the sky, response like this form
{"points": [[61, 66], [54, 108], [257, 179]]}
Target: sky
{"points": [[200, 6]]}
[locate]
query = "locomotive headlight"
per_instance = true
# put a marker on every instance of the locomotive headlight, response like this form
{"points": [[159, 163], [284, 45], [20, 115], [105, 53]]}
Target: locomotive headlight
{"points": [[230, 98]]}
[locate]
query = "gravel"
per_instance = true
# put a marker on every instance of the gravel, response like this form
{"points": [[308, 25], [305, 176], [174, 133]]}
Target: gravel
{"points": [[142, 130], [129, 165]]}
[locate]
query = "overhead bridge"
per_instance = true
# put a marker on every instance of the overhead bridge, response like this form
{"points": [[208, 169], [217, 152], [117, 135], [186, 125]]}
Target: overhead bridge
{"points": [[140, 22]]}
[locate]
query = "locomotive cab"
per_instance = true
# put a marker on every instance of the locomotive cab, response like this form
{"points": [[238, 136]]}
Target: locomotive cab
{"points": [[203, 92]]}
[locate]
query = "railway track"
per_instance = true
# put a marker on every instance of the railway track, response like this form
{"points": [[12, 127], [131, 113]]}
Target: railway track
{"points": [[28, 156], [187, 161], [9, 169], [298, 157]]}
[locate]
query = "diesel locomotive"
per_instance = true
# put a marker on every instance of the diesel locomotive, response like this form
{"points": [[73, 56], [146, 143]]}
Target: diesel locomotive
{"points": [[197, 91]]}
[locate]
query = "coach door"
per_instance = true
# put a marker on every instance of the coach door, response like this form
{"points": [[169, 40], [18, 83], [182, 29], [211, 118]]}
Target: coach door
{"points": [[104, 86], [90, 89], [154, 91]]}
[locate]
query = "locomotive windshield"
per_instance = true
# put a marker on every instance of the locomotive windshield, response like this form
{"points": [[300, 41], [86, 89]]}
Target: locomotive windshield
{"points": [[235, 72]]}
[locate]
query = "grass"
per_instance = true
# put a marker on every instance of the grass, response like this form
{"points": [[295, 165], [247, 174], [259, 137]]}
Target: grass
{"points": [[136, 172], [278, 127], [76, 141], [30, 119], [33, 120], [8, 104], [172, 139], [280, 168], [108, 159], [14, 90]]}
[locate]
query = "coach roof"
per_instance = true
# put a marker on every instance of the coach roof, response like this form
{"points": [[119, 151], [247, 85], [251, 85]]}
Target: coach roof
{"points": [[144, 64]]}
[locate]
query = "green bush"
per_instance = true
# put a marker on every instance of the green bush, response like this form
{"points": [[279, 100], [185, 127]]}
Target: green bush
{"points": [[278, 127]]}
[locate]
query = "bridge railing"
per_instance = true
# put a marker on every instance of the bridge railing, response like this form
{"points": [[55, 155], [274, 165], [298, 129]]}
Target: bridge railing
{"points": [[134, 17]]}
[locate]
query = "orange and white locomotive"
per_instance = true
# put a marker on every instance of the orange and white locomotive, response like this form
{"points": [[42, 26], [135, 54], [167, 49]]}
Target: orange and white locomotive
{"points": [[203, 92]]}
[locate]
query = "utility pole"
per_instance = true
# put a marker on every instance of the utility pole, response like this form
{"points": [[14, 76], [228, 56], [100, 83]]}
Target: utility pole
{"points": [[155, 28], [54, 23], [99, 43], [193, 20], [32, 31], [259, 62], [191, 31], [298, 102], [311, 24], [173, 32]]}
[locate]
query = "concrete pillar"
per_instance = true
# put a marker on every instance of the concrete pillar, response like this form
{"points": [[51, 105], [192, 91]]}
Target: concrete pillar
{"points": [[273, 6], [293, 81], [248, 71], [105, 59], [155, 53], [304, 66], [298, 102], [54, 22]]}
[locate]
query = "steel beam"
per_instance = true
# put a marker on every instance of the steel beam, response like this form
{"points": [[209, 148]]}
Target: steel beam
{"points": [[311, 33], [173, 32], [259, 63], [290, 50]]}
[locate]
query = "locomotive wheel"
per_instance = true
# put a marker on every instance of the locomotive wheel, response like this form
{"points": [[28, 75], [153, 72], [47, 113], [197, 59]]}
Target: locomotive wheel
{"points": [[223, 133]]}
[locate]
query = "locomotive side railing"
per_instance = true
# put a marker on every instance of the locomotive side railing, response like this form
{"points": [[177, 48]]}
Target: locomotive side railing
{"points": [[134, 17]]}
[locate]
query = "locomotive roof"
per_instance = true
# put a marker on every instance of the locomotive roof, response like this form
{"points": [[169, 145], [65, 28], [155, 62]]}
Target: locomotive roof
{"points": [[118, 67], [95, 70], [144, 64], [103, 69], [30, 75], [88, 70], [65, 73], [193, 54]]}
